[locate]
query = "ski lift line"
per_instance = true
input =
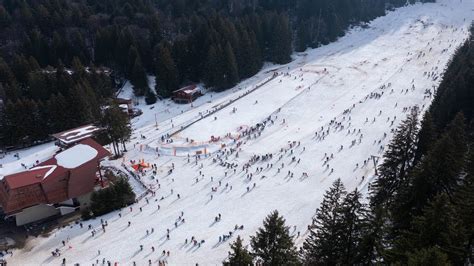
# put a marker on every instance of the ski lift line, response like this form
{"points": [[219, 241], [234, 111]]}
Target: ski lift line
{"points": [[186, 124], [181, 126], [231, 101]]}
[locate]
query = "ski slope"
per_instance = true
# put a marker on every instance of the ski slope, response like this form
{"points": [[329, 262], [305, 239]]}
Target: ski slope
{"points": [[342, 99]]}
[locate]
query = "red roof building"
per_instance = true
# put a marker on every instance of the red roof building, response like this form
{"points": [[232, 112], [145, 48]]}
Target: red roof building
{"points": [[70, 174]]}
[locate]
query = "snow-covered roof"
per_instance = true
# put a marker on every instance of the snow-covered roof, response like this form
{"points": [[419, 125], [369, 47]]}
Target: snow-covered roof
{"points": [[77, 134], [191, 89], [76, 156]]}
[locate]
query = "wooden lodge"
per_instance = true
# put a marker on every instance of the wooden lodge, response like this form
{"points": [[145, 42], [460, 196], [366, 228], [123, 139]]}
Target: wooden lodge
{"points": [[187, 94]]}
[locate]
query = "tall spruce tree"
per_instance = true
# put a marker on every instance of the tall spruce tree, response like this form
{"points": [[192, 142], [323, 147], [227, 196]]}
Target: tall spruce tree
{"points": [[440, 170], [59, 118], [280, 44], [397, 160], [439, 226], [426, 136], [324, 243], [150, 97], [239, 256], [213, 73], [230, 74], [354, 227], [116, 124], [139, 79], [464, 199], [166, 71], [272, 244], [432, 256]]}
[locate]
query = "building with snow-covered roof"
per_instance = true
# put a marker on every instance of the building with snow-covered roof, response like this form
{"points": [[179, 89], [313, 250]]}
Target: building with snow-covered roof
{"points": [[73, 136], [186, 94], [57, 186]]}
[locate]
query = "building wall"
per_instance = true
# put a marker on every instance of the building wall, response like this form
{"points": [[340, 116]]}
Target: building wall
{"points": [[55, 188], [18, 198], [35, 213], [83, 179]]}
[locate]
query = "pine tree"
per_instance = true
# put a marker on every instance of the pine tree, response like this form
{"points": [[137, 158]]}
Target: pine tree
{"points": [[438, 226], [213, 67], [5, 17], [324, 243], [377, 236], [426, 136], [280, 44], [78, 68], [245, 60], [38, 86], [116, 124], [272, 244], [83, 103], [150, 97], [354, 227], [432, 256], [21, 68], [440, 169], [59, 118], [8, 127], [138, 78], [398, 159], [456, 131], [166, 71], [464, 199], [7, 78], [131, 59], [231, 76], [257, 60], [42, 129], [239, 255]]}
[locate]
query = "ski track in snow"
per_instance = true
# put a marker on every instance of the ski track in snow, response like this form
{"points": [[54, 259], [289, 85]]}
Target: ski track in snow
{"points": [[357, 65]]}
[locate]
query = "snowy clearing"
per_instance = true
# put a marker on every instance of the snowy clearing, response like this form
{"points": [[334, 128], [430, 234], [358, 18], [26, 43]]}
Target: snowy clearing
{"points": [[342, 99]]}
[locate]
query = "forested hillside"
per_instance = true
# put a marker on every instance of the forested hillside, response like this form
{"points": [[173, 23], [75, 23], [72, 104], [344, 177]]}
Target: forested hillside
{"points": [[45, 46], [421, 205], [423, 201], [421, 208]]}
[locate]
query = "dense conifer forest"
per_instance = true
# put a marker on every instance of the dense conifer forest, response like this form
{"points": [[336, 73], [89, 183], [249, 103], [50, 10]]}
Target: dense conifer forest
{"points": [[53, 53], [421, 206]]}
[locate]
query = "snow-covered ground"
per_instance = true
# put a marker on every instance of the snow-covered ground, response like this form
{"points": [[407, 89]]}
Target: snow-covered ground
{"points": [[353, 91], [12, 162]]}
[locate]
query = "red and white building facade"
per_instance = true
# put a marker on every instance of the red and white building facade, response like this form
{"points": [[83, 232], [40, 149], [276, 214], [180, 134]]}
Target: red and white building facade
{"points": [[57, 186]]}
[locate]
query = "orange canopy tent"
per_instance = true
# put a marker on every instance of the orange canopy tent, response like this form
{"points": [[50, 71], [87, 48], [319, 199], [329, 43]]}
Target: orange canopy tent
{"points": [[140, 165]]}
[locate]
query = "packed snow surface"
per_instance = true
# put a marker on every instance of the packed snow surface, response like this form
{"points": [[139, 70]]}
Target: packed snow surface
{"points": [[20, 160], [75, 156], [321, 117]]}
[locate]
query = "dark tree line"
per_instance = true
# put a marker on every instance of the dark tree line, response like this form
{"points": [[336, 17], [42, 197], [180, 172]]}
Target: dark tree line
{"points": [[48, 100], [428, 208], [180, 42]]}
